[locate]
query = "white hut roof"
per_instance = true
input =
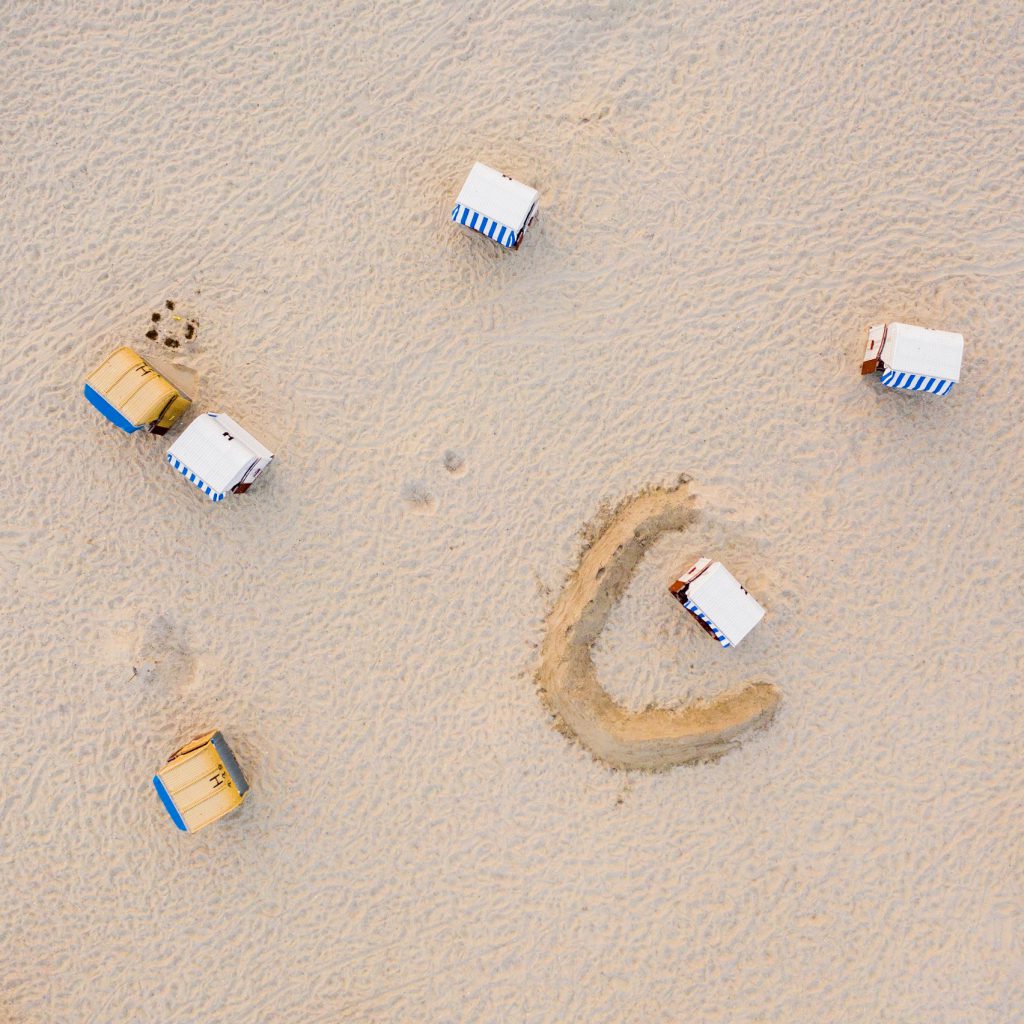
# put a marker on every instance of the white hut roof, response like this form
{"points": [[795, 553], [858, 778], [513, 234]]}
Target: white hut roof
{"points": [[493, 194], [718, 594], [918, 350], [215, 449]]}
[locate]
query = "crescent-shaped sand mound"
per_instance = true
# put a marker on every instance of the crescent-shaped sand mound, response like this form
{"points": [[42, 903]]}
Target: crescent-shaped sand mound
{"points": [[659, 738]]}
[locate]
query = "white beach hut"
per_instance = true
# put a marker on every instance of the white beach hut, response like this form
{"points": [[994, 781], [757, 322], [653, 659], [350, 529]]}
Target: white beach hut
{"points": [[218, 456], [914, 358], [714, 597], [493, 204]]}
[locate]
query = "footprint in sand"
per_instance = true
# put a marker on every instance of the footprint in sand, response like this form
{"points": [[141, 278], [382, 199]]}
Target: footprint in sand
{"points": [[417, 494], [162, 656], [418, 498], [657, 738], [454, 462]]}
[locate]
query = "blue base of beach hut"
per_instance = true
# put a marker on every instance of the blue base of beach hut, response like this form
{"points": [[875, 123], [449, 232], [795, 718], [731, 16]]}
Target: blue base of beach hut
{"points": [[165, 799], [100, 403]]}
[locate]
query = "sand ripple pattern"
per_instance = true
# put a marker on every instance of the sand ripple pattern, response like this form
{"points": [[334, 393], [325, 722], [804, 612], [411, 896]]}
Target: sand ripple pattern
{"points": [[654, 739]]}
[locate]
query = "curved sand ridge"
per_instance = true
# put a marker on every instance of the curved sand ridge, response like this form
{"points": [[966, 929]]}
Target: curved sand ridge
{"points": [[658, 738]]}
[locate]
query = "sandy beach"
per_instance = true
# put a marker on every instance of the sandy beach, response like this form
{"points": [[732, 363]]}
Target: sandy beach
{"points": [[729, 197]]}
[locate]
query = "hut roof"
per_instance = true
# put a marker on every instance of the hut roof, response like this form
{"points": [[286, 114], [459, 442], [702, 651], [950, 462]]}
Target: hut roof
{"points": [[495, 204], [215, 453], [200, 783], [717, 593], [923, 352]]}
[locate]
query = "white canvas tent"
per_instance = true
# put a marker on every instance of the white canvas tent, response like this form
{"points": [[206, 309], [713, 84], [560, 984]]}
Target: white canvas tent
{"points": [[493, 204], [713, 595], [914, 358], [218, 456]]}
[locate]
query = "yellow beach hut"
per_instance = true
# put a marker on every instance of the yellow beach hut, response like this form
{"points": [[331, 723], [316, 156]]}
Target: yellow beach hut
{"points": [[133, 396], [201, 782]]}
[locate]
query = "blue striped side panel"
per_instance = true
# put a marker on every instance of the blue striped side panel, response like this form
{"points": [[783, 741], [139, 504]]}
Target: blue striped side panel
{"points": [[478, 222], [719, 635], [917, 382], [192, 478]]}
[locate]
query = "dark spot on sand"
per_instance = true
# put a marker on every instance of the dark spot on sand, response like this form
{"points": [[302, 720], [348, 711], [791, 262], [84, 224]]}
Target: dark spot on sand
{"points": [[151, 335], [169, 304], [156, 318], [418, 497], [454, 462], [190, 331], [171, 342]]}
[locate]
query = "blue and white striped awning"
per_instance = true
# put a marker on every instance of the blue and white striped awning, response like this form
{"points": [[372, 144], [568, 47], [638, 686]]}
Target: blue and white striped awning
{"points": [[192, 478], [917, 382], [718, 634], [500, 233]]}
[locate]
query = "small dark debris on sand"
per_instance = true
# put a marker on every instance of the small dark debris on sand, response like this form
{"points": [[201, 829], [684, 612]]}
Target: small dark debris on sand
{"points": [[171, 342], [151, 335]]}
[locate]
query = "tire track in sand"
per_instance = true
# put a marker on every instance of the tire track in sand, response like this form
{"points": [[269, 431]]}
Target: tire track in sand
{"points": [[654, 739]]}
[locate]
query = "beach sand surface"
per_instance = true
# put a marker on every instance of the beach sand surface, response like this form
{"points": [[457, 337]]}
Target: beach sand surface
{"points": [[729, 198]]}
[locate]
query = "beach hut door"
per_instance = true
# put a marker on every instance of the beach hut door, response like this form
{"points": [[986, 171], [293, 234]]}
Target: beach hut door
{"points": [[252, 471], [873, 353]]}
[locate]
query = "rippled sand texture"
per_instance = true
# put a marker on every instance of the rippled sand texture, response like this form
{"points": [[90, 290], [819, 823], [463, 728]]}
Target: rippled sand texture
{"points": [[730, 195], [655, 738]]}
